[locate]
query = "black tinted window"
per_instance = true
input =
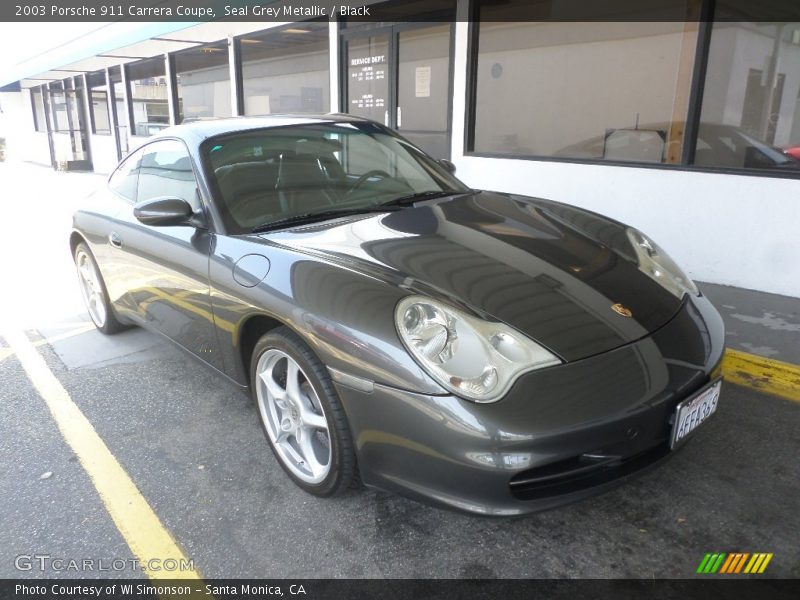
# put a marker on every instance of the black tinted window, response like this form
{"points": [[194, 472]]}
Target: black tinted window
{"points": [[124, 179], [166, 170]]}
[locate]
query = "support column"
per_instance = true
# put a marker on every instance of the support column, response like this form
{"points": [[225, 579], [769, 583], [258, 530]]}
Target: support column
{"points": [[333, 42], [127, 106], [48, 120], [235, 74], [172, 89], [112, 113]]}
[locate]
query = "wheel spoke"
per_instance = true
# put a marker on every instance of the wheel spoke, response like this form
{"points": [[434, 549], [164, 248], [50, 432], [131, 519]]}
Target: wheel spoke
{"points": [[92, 289], [274, 389], [293, 381], [293, 453], [283, 436], [99, 307], [313, 420], [84, 271], [306, 443]]}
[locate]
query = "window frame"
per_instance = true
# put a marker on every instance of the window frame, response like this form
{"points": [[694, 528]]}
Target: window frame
{"points": [[58, 88], [38, 91], [92, 119], [691, 130], [130, 73], [271, 32], [175, 57]]}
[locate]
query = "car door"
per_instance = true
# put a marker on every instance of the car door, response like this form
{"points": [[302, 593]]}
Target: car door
{"points": [[102, 223], [167, 267]]}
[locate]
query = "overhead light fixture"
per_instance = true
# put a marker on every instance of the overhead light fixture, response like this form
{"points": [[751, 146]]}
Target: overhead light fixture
{"points": [[294, 30], [248, 41]]}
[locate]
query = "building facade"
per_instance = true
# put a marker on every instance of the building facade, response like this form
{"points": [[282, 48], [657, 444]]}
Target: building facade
{"points": [[688, 130]]}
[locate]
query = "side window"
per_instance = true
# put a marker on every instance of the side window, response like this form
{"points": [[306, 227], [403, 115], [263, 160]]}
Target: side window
{"points": [[166, 170], [124, 179]]}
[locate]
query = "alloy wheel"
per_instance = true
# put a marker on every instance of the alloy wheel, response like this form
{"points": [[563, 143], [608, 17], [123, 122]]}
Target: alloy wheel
{"points": [[293, 416], [91, 288]]}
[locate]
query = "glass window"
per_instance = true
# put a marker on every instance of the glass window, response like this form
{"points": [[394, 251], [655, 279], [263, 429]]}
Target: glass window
{"points": [[74, 99], [271, 174], [204, 84], [750, 118], [39, 120], [123, 181], [101, 121], [287, 70], [367, 80], [595, 90], [166, 170], [148, 93], [58, 102], [98, 103]]}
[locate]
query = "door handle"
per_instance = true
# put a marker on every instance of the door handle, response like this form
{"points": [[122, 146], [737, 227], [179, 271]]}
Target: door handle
{"points": [[386, 117], [399, 117], [115, 240]]}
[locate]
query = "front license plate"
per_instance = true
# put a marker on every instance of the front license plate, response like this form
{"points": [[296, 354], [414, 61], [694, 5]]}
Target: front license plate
{"points": [[694, 411]]}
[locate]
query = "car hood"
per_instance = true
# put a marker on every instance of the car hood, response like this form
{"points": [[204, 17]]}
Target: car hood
{"points": [[549, 270]]}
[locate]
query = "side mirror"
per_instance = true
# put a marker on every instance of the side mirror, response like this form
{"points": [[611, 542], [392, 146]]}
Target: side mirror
{"points": [[451, 168], [166, 211]]}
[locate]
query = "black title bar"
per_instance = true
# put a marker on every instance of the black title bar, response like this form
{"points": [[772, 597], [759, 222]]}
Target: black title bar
{"points": [[710, 588], [399, 10]]}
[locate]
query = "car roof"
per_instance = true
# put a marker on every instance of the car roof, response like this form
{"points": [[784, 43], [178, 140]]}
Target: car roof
{"points": [[201, 129]]}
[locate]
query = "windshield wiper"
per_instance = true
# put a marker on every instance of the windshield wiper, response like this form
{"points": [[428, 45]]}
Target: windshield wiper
{"points": [[390, 205], [313, 217], [412, 198]]}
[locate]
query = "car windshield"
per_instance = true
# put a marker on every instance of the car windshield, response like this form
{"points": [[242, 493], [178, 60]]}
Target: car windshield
{"points": [[269, 175]]}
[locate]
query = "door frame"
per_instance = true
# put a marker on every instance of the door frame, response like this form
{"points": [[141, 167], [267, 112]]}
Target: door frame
{"points": [[393, 31]]}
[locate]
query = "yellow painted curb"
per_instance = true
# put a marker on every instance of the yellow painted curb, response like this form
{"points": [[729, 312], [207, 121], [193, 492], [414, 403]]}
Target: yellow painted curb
{"points": [[762, 374]]}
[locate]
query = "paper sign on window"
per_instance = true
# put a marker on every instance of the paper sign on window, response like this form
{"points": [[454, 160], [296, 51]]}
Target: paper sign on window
{"points": [[423, 82]]}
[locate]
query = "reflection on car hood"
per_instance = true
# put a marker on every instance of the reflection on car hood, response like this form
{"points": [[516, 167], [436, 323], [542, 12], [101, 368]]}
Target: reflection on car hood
{"points": [[550, 270]]}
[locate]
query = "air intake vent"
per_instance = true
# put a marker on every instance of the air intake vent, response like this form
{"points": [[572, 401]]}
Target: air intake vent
{"points": [[580, 472]]}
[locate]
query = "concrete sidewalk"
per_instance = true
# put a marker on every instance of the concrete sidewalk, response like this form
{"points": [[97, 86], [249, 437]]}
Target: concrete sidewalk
{"points": [[766, 325]]}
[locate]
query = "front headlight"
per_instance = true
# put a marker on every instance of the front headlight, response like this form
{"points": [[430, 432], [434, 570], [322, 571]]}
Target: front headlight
{"points": [[656, 264], [472, 358]]}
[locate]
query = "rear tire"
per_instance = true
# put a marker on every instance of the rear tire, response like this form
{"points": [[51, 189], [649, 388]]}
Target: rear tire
{"points": [[301, 414], [94, 293]]}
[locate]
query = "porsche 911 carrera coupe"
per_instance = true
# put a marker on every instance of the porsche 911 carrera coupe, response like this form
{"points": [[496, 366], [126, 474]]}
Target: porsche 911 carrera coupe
{"points": [[483, 351]]}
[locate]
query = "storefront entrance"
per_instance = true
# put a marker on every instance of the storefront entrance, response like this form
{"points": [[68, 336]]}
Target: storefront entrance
{"points": [[401, 76]]}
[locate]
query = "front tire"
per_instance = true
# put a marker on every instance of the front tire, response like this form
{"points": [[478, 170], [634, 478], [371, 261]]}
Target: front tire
{"points": [[301, 414], [94, 292]]}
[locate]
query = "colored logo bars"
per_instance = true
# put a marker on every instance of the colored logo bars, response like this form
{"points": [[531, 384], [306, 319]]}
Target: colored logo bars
{"points": [[735, 562]]}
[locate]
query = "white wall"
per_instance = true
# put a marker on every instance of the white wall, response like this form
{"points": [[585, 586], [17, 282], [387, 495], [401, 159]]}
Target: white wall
{"points": [[16, 125], [104, 153], [729, 229]]}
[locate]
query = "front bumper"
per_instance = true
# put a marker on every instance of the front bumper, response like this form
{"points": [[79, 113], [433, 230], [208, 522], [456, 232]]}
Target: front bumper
{"points": [[559, 435]]}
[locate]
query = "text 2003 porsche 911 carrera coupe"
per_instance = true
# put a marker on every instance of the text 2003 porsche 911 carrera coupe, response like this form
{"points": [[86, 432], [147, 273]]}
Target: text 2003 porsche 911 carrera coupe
{"points": [[489, 352]]}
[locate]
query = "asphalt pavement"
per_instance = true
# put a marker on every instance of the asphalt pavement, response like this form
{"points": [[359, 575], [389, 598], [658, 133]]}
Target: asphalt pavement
{"points": [[192, 444]]}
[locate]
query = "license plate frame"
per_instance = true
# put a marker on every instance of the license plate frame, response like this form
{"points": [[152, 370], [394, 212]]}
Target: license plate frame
{"points": [[703, 404]]}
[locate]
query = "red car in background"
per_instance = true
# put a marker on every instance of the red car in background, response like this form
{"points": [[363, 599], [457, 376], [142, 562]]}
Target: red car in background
{"points": [[793, 151]]}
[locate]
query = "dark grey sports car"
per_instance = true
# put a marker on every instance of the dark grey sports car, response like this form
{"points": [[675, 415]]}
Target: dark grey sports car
{"points": [[489, 352]]}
